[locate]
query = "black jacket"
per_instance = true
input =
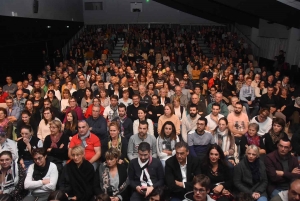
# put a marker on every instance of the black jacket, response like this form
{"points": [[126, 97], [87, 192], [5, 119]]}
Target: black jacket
{"points": [[173, 172], [127, 125]]}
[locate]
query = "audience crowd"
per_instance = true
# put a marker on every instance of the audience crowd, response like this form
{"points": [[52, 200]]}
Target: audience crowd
{"points": [[165, 122]]}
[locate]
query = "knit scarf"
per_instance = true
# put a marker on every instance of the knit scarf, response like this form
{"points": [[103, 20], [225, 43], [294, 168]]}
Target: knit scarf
{"points": [[254, 168], [221, 138], [54, 140], [276, 136], [255, 140], [83, 139], [40, 172], [145, 176], [119, 146]]}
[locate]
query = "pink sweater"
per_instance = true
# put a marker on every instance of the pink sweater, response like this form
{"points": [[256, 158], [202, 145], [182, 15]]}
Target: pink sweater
{"points": [[162, 119]]}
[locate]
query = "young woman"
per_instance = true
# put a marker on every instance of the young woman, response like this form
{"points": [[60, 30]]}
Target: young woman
{"points": [[196, 73], [142, 116], [38, 101], [41, 177], [229, 89], [150, 77], [26, 119], [12, 177], [87, 99], [34, 114], [178, 109], [5, 125], [151, 89], [250, 175], [77, 178], [104, 100], [251, 138], [166, 141], [111, 177], [66, 95], [259, 90], [225, 139], [53, 99], [71, 128], [154, 112], [263, 121], [169, 91], [172, 81], [44, 127], [142, 80], [26, 144], [215, 167], [274, 135], [134, 89], [169, 115]]}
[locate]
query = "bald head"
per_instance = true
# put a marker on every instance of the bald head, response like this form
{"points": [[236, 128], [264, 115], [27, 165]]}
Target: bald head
{"points": [[294, 191]]}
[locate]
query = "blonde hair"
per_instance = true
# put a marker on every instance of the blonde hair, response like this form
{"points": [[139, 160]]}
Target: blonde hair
{"points": [[78, 149], [56, 123], [112, 153], [255, 148]]}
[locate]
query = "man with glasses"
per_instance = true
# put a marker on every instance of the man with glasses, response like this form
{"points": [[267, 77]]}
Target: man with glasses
{"points": [[281, 168], [293, 194], [19, 100], [180, 171], [199, 140], [89, 141], [201, 188]]}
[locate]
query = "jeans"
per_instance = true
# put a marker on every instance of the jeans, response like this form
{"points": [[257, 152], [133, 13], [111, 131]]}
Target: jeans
{"points": [[255, 109], [175, 199], [27, 163], [262, 198]]}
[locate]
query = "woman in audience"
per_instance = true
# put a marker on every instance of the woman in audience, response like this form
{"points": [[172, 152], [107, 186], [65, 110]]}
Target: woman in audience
{"points": [[260, 90], [36, 115], [251, 138], [71, 128], [26, 144], [77, 178], [56, 145], [196, 74], [225, 139], [172, 81], [5, 125], [276, 133], [116, 91], [142, 80], [166, 141], [285, 103], [87, 99], [134, 89], [57, 94], [168, 89], [154, 112], [53, 99], [150, 77], [111, 177], [142, 116], [250, 175], [169, 115], [44, 128], [104, 100], [74, 107], [229, 88], [38, 101], [58, 196], [256, 81], [26, 119], [66, 95], [95, 101], [263, 120], [178, 109], [151, 89], [41, 177], [12, 177], [215, 167]]}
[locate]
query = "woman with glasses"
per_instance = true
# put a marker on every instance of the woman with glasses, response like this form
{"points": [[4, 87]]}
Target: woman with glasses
{"points": [[96, 102], [26, 144], [263, 121], [41, 177], [77, 178], [74, 107], [5, 125], [250, 175], [12, 178], [276, 133], [56, 145]]}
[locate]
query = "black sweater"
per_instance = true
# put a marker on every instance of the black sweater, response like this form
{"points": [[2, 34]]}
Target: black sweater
{"points": [[22, 150], [128, 127], [155, 111], [59, 153]]}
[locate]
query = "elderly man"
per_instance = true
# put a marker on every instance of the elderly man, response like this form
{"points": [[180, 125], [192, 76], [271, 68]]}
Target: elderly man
{"points": [[89, 141], [219, 100], [13, 112], [201, 107], [26, 92], [19, 100], [183, 98], [184, 90]]}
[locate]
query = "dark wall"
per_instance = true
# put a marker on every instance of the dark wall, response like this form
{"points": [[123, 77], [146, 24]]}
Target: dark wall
{"points": [[22, 41]]}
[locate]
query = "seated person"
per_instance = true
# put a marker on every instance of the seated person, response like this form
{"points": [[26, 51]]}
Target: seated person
{"points": [[178, 181], [111, 177], [145, 173], [233, 101], [96, 102], [71, 126], [247, 97], [250, 175], [78, 176], [263, 121], [126, 125], [223, 106], [213, 117], [142, 116], [281, 172], [291, 194], [9, 145], [41, 176]]}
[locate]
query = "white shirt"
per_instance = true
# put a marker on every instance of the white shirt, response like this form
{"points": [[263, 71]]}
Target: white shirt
{"points": [[183, 172], [29, 88], [107, 110], [211, 124], [127, 103]]}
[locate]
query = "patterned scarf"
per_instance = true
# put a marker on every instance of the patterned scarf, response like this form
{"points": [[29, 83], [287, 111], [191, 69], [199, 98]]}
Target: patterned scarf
{"points": [[54, 140], [253, 140], [276, 136], [145, 176], [119, 146], [3, 125]]}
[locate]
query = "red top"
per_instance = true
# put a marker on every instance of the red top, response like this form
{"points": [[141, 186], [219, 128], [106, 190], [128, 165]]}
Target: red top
{"points": [[89, 110], [3, 96]]}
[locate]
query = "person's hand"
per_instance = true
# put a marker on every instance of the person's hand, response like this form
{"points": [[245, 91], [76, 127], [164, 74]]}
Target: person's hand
{"points": [[280, 173], [74, 198], [218, 189], [139, 190], [167, 152], [46, 181], [26, 140], [295, 170], [49, 149], [255, 195], [149, 190], [150, 112], [178, 183], [225, 192], [120, 161]]}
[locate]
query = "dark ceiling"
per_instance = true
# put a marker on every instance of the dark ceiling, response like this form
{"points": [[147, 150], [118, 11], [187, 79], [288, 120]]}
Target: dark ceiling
{"points": [[246, 12]]}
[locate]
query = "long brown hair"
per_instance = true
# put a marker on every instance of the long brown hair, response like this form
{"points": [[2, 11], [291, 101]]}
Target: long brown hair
{"points": [[173, 134], [74, 123]]}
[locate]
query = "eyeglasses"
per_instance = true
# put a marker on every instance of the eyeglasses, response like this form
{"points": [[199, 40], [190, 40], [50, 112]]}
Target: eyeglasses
{"points": [[38, 158], [200, 190]]}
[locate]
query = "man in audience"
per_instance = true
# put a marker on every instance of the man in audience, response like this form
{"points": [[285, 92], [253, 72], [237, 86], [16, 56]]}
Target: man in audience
{"points": [[37, 85], [3, 95], [281, 168], [163, 97], [140, 137], [26, 92], [27, 86], [89, 141], [293, 194], [19, 100], [285, 82], [111, 111], [132, 110], [185, 91], [239, 83], [201, 107], [144, 173], [247, 97], [43, 84], [145, 99], [233, 101], [213, 117], [206, 74], [80, 93], [238, 122], [190, 122], [126, 125], [219, 100], [270, 81], [180, 171], [13, 111], [10, 87], [160, 80], [183, 98], [199, 140]]}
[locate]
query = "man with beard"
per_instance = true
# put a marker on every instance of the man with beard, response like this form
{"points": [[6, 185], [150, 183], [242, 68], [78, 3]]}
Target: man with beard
{"points": [[201, 107], [289, 195], [111, 111], [187, 82], [126, 125], [213, 117], [190, 122], [80, 93], [238, 122], [144, 172]]}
